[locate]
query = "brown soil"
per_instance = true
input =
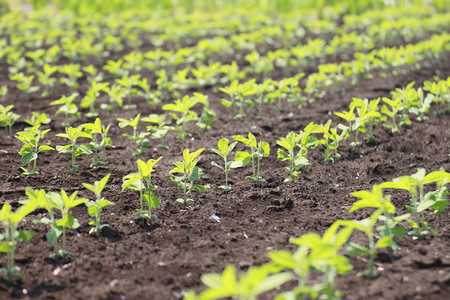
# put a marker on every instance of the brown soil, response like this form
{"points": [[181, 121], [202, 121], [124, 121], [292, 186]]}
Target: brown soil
{"points": [[165, 258]]}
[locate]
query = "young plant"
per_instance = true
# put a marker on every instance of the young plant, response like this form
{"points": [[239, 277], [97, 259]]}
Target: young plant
{"points": [[58, 227], [353, 124], [249, 285], [91, 97], [224, 150], [304, 141], [139, 138], [142, 181], [3, 92], [96, 206], [7, 119], [238, 96], [189, 172], [46, 79], [68, 108], [30, 138], [331, 140], [159, 130], [13, 235], [38, 119], [73, 75], [396, 107], [72, 134], [183, 107], [128, 82], [258, 150], [116, 94], [420, 105], [384, 213], [205, 120], [420, 201], [94, 130], [24, 83], [367, 114]]}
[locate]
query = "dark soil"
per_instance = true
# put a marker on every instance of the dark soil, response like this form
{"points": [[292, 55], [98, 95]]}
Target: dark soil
{"points": [[162, 259]]}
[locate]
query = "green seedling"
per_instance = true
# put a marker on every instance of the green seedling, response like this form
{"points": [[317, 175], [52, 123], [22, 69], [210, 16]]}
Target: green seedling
{"points": [[91, 97], [68, 108], [46, 79], [331, 140], [354, 123], [24, 83], [407, 96], [258, 150], [249, 285], [139, 138], [30, 138], [393, 111], [384, 213], [420, 105], [304, 141], [92, 74], [420, 201], [58, 227], [164, 85], [73, 75], [96, 206], [3, 92], [146, 93], [7, 119], [128, 82], [186, 115], [142, 181], [72, 134], [116, 94], [38, 119], [439, 91], [367, 114], [189, 173], [205, 120], [323, 255], [94, 130], [224, 150], [12, 235], [238, 96], [159, 130], [115, 68]]}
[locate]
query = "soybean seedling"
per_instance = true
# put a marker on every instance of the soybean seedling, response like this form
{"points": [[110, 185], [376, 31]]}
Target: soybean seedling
{"points": [[12, 235], [30, 138], [68, 108], [391, 225], [139, 138], [72, 134], [296, 160], [189, 172], [7, 119], [93, 130], [38, 119], [258, 150], [205, 120], [159, 130], [142, 181], [224, 150], [353, 124], [331, 140], [96, 206], [420, 201], [183, 107], [64, 203]]}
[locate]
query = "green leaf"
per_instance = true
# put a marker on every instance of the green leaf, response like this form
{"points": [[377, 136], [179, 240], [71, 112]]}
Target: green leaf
{"points": [[243, 156], [384, 242], [45, 148], [354, 249], [25, 235], [234, 164], [200, 188], [53, 234], [29, 157], [196, 174]]}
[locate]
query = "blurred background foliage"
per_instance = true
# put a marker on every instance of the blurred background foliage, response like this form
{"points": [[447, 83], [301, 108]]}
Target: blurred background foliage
{"points": [[276, 6]]}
